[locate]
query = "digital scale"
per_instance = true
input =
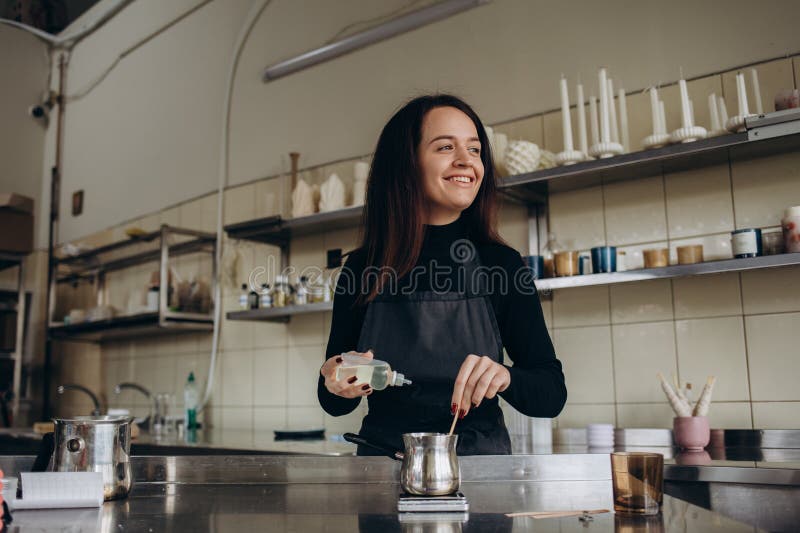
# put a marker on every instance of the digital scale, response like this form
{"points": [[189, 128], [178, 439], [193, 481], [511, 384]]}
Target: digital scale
{"points": [[452, 503]]}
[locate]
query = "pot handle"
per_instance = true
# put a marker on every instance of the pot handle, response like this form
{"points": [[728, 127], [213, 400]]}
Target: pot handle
{"points": [[358, 439], [45, 453]]}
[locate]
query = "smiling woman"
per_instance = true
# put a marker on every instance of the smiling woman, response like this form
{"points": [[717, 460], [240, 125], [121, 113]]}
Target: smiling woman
{"points": [[448, 297]]}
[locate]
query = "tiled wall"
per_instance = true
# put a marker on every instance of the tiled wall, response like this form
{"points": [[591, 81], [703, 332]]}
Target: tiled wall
{"points": [[612, 340]]}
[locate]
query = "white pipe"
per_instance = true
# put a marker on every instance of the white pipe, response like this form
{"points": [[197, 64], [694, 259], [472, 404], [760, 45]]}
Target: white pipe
{"points": [[256, 9]]}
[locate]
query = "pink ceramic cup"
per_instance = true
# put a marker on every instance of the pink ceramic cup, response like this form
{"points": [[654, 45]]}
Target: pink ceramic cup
{"points": [[691, 432]]}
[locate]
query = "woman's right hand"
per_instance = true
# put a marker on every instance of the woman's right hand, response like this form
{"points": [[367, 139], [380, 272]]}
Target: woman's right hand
{"points": [[346, 388]]}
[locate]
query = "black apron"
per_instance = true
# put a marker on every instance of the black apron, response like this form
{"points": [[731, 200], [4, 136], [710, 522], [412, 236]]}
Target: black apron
{"points": [[427, 335]]}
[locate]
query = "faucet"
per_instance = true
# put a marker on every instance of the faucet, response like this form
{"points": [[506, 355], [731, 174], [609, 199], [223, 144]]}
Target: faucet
{"points": [[144, 423], [72, 386]]}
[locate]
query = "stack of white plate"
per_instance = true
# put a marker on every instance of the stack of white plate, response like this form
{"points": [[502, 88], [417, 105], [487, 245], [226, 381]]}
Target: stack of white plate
{"points": [[600, 435]]}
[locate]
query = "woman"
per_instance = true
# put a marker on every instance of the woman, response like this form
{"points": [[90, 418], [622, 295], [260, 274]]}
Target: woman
{"points": [[435, 292]]}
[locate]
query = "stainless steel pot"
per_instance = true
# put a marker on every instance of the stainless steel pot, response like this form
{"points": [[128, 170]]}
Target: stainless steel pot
{"points": [[96, 444], [430, 464]]}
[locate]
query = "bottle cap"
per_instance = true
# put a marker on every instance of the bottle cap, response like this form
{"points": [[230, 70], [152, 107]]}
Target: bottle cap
{"points": [[244, 286], [399, 379], [191, 377]]}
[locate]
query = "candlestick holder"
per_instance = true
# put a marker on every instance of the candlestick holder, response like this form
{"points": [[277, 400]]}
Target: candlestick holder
{"points": [[603, 150], [735, 123], [570, 157], [656, 140], [716, 133], [687, 135]]}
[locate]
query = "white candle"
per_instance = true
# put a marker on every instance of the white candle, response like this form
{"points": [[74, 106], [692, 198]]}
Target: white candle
{"points": [[712, 110], [654, 109], [756, 91], [723, 111], [605, 134], [691, 111], [741, 94], [686, 113], [623, 120], [593, 119], [566, 124], [662, 118], [612, 112], [582, 121]]}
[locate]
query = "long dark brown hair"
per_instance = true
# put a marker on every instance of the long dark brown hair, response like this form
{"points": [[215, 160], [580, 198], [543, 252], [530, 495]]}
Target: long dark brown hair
{"points": [[392, 226]]}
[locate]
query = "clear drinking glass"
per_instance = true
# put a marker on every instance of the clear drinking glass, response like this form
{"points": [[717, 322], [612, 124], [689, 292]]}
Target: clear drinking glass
{"points": [[638, 479], [163, 405]]}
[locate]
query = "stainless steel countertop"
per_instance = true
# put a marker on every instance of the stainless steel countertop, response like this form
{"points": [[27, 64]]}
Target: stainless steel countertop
{"points": [[288, 493]]}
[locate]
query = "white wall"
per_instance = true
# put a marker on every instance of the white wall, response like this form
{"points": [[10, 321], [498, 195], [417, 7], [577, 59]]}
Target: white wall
{"points": [[149, 133], [24, 66]]}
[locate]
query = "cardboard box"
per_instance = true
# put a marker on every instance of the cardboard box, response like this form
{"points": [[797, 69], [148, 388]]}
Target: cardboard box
{"points": [[16, 223]]}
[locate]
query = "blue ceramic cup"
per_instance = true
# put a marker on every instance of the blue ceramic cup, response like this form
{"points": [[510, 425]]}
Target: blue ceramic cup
{"points": [[536, 264], [604, 259]]}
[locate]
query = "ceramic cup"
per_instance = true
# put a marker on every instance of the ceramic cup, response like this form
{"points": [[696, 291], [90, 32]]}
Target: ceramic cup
{"points": [[691, 432], [604, 259], [536, 264], [690, 254]]}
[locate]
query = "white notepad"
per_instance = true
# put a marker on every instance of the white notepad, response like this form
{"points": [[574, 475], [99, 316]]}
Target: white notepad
{"points": [[59, 490]]}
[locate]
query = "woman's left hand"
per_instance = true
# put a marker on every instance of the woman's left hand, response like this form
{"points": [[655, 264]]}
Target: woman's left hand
{"points": [[478, 378]]}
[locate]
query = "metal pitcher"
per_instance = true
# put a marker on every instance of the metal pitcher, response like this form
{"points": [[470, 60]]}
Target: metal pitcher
{"points": [[430, 464], [96, 444]]}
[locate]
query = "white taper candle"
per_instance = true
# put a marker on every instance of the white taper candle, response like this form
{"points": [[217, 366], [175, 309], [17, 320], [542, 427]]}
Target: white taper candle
{"points": [[566, 124], [662, 117], [605, 133], [593, 119], [741, 94], [686, 113], [654, 109], [612, 111], [712, 110], [723, 111], [623, 120], [756, 91], [582, 121]]}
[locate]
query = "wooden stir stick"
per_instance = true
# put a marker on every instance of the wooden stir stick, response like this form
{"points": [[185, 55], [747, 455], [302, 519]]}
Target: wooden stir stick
{"points": [[453, 425]]}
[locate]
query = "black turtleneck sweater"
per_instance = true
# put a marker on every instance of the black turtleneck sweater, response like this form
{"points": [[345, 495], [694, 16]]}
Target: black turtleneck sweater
{"points": [[537, 382]]}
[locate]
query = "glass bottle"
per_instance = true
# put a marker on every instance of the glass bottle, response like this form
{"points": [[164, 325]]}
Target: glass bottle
{"points": [[266, 296], [301, 293], [548, 252], [244, 302]]}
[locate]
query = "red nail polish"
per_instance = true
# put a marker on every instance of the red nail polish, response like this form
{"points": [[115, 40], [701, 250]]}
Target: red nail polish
{"points": [[461, 414], [352, 380], [365, 387], [339, 359]]}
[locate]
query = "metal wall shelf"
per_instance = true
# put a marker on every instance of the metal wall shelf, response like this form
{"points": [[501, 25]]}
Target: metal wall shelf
{"points": [[132, 326], [278, 231], [279, 314], [158, 246], [769, 134], [675, 271]]}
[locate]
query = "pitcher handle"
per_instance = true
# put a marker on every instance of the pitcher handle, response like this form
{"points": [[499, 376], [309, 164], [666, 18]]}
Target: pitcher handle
{"points": [[358, 439]]}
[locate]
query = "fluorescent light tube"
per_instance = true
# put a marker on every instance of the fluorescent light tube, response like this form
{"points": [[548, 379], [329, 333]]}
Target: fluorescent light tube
{"points": [[402, 24]]}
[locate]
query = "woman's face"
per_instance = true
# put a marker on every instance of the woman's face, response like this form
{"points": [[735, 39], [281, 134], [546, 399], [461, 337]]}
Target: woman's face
{"points": [[450, 162]]}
